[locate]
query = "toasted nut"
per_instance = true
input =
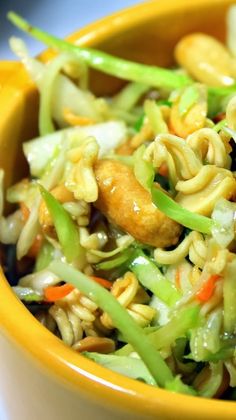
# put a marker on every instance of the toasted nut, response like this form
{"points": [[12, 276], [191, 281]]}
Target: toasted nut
{"points": [[204, 376], [127, 204], [62, 194], [98, 344], [206, 59]]}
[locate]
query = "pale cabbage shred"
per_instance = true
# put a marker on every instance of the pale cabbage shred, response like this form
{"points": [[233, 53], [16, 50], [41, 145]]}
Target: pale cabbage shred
{"points": [[47, 160]]}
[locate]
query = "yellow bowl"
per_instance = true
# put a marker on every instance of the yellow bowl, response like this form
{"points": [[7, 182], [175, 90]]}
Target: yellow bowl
{"points": [[41, 377]]}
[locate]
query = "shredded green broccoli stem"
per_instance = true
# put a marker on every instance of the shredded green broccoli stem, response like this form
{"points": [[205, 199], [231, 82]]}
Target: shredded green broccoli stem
{"points": [[178, 326], [123, 69], [67, 231], [46, 125], [131, 331], [151, 278], [120, 317], [178, 213]]}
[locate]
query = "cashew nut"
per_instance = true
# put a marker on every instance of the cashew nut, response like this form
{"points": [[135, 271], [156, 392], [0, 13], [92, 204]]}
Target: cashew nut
{"points": [[97, 344], [206, 59], [127, 204]]}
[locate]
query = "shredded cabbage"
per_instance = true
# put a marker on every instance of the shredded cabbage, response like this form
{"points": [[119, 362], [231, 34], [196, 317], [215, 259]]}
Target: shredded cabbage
{"points": [[110, 181], [108, 135]]}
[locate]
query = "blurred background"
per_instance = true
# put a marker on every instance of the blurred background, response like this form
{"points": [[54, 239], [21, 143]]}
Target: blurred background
{"points": [[57, 16]]}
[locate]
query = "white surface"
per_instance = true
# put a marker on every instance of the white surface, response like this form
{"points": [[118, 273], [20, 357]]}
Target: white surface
{"points": [[60, 18]]}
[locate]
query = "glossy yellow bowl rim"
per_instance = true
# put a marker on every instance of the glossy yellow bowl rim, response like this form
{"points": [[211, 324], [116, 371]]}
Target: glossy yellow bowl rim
{"points": [[59, 360]]}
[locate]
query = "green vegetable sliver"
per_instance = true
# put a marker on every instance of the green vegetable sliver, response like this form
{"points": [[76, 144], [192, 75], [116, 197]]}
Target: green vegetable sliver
{"points": [[220, 125], [222, 90], [166, 335], [155, 117], [229, 296], [188, 99], [143, 170], [210, 386], [178, 326], [128, 366], [44, 257], [27, 294], [139, 123], [46, 125], [67, 232], [129, 96], [178, 386], [124, 69], [115, 262], [120, 317], [151, 277], [181, 215]]}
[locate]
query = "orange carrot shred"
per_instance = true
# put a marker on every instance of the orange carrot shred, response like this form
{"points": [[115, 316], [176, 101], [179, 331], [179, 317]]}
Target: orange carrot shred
{"points": [[177, 279], [25, 211], [54, 293], [103, 282], [207, 289], [74, 119], [36, 246], [163, 170]]}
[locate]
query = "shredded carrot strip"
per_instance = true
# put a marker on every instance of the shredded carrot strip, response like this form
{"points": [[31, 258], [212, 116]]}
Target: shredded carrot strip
{"points": [[25, 211], [54, 293], [207, 290], [73, 119], [36, 246], [177, 279], [105, 283], [163, 170]]}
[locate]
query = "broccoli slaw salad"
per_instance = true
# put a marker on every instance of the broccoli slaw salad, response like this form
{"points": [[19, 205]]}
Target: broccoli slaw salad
{"points": [[122, 242]]}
